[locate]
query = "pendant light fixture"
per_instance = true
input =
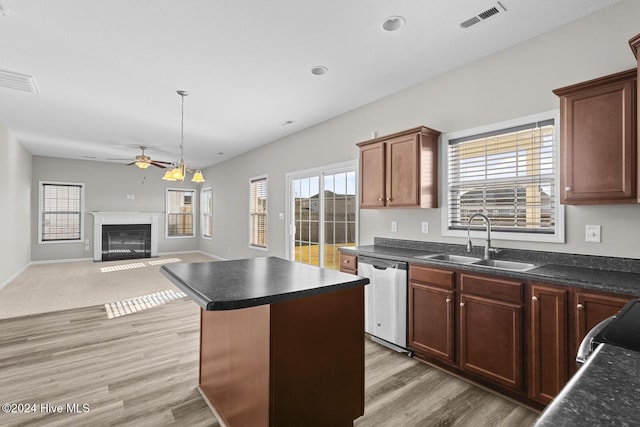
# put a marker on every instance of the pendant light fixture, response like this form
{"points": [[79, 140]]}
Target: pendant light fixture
{"points": [[179, 171]]}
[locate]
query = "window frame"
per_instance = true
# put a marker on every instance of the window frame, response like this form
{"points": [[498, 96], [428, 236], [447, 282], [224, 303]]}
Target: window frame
{"points": [[559, 234], [203, 218], [41, 185], [167, 213], [252, 245]]}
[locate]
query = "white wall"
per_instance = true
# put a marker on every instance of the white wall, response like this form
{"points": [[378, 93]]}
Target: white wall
{"points": [[106, 189], [512, 83], [15, 191]]}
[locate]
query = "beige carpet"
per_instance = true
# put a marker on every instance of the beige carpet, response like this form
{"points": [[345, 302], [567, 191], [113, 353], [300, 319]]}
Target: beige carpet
{"points": [[45, 288]]}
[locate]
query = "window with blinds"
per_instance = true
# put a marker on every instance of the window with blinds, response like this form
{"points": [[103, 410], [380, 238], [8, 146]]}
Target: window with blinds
{"points": [[507, 174], [180, 213], [206, 209], [258, 212], [61, 212]]}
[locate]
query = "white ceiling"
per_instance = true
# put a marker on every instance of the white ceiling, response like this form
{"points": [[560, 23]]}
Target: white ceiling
{"points": [[108, 71]]}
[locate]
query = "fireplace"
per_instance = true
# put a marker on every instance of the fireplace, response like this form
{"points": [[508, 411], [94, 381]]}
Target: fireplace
{"points": [[124, 235], [126, 241]]}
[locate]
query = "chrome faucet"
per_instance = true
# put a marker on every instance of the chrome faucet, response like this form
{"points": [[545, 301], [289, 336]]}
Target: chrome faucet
{"points": [[488, 250]]}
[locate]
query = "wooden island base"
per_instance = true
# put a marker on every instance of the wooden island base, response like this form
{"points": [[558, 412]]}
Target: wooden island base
{"points": [[298, 362]]}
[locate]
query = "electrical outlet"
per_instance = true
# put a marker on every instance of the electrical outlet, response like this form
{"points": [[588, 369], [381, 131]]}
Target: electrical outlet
{"points": [[592, 233], [425, 227], [394, 226]]}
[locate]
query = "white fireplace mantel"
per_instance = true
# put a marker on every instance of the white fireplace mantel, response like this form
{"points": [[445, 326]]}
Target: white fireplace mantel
{"points": [[113, 218]]}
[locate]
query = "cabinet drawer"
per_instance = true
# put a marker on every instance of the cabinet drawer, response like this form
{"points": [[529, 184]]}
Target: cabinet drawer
{"points": [[348, 263], [489, 287], [431, 275]]}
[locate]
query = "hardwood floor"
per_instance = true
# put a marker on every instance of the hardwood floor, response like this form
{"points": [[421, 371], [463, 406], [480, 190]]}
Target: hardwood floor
{"points": [[142, 369]]}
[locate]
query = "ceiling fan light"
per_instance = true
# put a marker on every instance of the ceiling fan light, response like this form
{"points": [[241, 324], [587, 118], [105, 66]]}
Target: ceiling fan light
{"points": [[197, 177], [143, 165]]}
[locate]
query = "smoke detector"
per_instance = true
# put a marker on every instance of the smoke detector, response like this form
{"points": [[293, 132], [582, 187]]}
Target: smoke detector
{"points": [[483, 15]]}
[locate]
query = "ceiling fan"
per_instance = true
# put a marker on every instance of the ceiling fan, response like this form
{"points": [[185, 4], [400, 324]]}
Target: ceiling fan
{"points": [[143, 161]]}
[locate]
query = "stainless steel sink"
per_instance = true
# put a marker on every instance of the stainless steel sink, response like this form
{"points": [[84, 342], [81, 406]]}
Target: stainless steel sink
{"points": [[458, 259], [505, 265]]}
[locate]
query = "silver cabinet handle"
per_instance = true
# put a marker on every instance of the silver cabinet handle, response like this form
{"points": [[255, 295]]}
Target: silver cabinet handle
{"points": [[580, 307], [534, 298], [379, 199], [461, 304], [448, 300], [567, 188]]}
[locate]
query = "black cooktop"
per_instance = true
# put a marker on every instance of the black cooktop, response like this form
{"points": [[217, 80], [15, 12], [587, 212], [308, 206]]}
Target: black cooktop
{"points": [[624, 329]]}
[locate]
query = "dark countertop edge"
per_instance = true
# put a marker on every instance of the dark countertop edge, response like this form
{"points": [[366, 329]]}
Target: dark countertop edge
{"points": [[530, 275], [593, 395], [200, 299], [208, 305]]}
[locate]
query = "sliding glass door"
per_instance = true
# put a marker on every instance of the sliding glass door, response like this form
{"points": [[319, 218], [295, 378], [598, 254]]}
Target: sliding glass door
{"points": [[322, 214]]}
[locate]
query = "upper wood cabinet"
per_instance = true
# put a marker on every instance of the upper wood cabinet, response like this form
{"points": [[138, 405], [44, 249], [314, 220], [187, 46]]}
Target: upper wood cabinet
{"points": [[400, 170], [598, 141]]}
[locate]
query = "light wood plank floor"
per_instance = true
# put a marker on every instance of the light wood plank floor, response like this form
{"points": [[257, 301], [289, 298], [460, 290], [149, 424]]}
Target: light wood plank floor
{"points": [[142, 369]]}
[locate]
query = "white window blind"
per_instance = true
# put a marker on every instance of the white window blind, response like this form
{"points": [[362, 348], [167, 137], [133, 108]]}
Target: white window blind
{"points": [[258, 212], [61, 212], [509, 175], [206, 208], [180, 213]]}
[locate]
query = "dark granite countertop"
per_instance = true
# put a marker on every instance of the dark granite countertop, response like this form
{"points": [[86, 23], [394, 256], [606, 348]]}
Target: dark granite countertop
{"points": [[604, 391], [607, 274], [230, 285]]}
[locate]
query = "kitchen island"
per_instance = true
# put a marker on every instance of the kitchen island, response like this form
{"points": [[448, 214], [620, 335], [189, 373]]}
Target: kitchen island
{"points": [[281, 343]]}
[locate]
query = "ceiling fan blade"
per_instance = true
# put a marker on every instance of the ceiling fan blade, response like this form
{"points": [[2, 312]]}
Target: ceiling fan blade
{"points": [[156, 164], [118, 159], [164, 163], [132, 163]]}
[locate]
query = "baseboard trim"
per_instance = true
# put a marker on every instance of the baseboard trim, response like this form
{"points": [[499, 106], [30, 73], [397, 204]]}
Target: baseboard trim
{"points": [[16, 274], [57, 261]]}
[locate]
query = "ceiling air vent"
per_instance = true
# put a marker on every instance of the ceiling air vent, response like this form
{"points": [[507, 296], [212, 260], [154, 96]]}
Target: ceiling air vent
{"points": [[18, 81], [482, 16]]}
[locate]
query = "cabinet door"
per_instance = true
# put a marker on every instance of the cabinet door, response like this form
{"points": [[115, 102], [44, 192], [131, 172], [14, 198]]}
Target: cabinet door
{"points": [[431, 321], [372, 176], [403, 169], [348, 263], [598, 146], [548, 348], [491, 340], [591, 309]]}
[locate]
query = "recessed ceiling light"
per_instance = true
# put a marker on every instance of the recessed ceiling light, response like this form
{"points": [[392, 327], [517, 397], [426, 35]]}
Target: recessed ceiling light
{"points": [[319, 70], [393, 23]]}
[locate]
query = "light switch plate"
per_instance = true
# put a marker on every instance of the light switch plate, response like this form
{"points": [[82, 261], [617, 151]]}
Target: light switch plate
{"points": [[592, 233], [394, 226], [424, 227]]}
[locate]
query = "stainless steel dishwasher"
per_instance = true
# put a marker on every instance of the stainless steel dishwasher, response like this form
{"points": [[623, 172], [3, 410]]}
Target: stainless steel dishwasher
{"points": [[385, 301]]}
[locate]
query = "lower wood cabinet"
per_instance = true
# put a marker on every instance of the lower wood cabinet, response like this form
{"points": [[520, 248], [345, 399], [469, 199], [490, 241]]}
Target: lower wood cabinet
{"points": [[491, 329], [431, 312], [348, 263], [548, 342], [518, 337], [589, 309]]}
